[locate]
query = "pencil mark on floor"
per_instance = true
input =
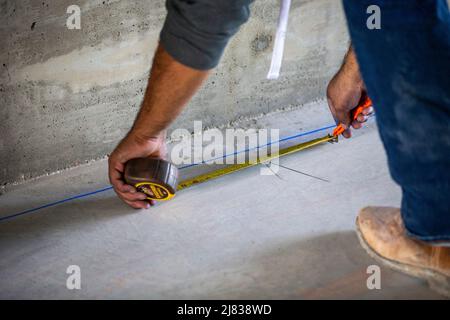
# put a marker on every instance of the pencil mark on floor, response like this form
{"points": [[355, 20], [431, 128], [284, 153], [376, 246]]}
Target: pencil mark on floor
{"points": [[276, 174], [300, 172]]}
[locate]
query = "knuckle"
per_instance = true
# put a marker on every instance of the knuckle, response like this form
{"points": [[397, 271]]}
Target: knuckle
{"points": [[136, 205]]}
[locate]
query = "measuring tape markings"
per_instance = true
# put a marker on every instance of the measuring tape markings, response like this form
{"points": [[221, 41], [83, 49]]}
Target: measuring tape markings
{"points": [[237, 167]]}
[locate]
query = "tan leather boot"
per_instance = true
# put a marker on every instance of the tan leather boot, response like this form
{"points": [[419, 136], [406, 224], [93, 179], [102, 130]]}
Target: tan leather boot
{"points": [[382, 234]]}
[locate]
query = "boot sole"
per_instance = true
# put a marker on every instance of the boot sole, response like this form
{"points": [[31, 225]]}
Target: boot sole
{"points": [[437, 281]]}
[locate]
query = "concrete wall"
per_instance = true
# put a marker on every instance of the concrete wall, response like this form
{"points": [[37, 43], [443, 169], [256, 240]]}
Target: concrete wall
{"points": [[68, 96]]}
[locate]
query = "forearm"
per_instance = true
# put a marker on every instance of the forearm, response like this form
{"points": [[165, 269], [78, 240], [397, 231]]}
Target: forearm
{"points": [[191, 43], [350, 67], [170, 87]]}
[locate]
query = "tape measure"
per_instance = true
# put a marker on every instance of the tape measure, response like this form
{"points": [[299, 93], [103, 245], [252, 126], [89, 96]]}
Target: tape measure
{"points": [[237, 167], [156, 178]]}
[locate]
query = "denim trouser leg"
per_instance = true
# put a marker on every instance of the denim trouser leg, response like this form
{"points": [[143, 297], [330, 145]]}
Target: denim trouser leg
{"points": [[406, 68]]}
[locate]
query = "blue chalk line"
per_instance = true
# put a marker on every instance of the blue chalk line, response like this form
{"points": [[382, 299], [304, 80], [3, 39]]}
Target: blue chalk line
{"points": [[88, 194]]}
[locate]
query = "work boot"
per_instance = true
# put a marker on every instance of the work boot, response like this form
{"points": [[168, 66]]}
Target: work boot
{"points": [[382, 234]]}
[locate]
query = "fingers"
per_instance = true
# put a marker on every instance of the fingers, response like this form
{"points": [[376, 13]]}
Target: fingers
{"points": [[132, 195], [347, 133], [127, 193], [362, 118], [137, 200], [134, 199], [368, 111], [137, 204], [344, 119], [115, 177]]}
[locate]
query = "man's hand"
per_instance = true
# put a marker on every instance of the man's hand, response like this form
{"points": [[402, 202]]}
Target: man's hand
{"points": [[344, 93], [133, 146]]}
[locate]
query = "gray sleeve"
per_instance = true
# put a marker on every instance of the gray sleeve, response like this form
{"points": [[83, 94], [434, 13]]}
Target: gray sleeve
{"points": [[196, 32]]}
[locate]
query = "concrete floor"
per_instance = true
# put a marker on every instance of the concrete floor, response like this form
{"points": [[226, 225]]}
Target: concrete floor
{"points": [[243, 236]]}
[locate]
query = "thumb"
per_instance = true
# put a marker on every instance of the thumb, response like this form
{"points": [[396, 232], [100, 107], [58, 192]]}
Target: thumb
{"points": [[343, 118]]}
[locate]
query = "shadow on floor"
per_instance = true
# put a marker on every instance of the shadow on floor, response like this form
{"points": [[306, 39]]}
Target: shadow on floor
{"points": [[330, 266]]}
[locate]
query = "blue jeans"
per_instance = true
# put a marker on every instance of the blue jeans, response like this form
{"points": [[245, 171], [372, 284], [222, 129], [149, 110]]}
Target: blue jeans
{"points": [[406, 68]]}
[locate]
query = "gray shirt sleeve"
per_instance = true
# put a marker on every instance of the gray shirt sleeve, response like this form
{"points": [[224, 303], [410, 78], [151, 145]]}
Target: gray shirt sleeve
{"points": [[196, 32]]}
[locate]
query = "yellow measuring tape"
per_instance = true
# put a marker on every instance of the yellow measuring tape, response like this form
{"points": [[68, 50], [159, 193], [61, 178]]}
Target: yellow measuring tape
{"points": [[237, 167]]}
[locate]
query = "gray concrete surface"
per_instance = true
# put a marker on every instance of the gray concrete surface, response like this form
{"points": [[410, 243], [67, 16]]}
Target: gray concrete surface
{"points": [[67, 96], [241, 236]]}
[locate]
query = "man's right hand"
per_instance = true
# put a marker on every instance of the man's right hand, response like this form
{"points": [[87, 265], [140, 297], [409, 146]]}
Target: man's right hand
{"points": [[344, 93], [131, 147], [170, 87]]}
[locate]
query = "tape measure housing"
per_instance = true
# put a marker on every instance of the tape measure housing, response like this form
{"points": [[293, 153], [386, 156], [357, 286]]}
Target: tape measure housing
{"points": [[154, 191], [156, 178]]}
